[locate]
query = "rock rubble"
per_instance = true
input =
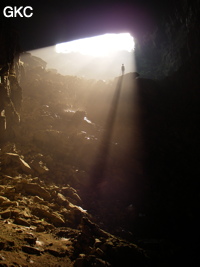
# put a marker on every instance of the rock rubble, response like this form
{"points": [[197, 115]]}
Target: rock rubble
{"points": [[44, 223]]}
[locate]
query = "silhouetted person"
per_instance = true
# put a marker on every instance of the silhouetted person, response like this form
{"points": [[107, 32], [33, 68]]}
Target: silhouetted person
{"points": [[123, 69]]}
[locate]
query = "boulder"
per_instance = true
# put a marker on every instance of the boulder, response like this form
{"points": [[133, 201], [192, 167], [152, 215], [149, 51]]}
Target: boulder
{"points": [[3, 199], [39, 166], [61, 200], [30, 239], [72, 195], [21, 221], [38, 200], [37, 190], [43, 212], [42, 225], [10, 213], [9, 203], [14, 160], [31, 250]]}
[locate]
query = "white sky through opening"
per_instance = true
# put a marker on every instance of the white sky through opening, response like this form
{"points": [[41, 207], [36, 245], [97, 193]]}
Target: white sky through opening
{"points": [[97, 57], [98, 46]]}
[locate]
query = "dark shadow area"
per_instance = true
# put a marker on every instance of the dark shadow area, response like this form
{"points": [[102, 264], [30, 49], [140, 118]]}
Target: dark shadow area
{"points": [[170, 115]]}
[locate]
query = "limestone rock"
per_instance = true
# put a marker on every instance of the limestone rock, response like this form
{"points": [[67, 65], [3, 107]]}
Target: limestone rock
{"points": [[12, 159], [62, 200], [21, 221], [42, 225], [10, 213], [31, 250], [71, 193], [3, 199], [57, 253], [44, 213], [74, 214], [30, 238], [9, 204], [39, 166], [89, 228], [37, 190], [38, 200]]}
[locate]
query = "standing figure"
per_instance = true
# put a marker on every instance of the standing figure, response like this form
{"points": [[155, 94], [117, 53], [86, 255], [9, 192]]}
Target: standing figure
{"points": [[123, 69]]}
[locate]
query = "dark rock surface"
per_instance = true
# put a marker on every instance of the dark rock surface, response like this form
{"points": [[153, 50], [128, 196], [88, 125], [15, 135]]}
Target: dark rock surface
{"points": [[172, 42]]}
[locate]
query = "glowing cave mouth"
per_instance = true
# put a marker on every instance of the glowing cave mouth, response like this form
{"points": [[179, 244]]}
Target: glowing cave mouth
{"points": [[99, 46]]}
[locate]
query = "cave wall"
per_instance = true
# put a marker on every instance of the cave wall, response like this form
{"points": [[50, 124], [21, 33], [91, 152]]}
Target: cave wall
{"points": [[10, 90], [170, 120], [172, 43]]}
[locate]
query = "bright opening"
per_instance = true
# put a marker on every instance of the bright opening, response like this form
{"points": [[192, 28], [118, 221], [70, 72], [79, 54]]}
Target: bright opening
{"points": [[98, 57], [99, 46]]}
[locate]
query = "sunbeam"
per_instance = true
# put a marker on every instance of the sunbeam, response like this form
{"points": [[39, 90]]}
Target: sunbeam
{"points": [[101, 58]]}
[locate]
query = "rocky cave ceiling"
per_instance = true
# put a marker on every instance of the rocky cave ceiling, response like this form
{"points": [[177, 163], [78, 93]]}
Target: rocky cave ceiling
{"points": [[53, 22]]}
